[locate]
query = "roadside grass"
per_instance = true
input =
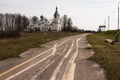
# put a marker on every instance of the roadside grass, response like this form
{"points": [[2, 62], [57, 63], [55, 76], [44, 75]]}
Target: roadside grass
{"points": [[12, 47], [107, 55]]}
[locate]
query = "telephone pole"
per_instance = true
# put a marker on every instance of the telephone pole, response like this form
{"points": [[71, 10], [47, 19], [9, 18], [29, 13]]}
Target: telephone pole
{"points": [[118, 15]]}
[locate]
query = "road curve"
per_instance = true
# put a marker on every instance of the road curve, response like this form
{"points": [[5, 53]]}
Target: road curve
{"points": [[64, 59]]}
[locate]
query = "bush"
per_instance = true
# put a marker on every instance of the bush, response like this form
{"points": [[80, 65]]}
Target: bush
{"points": [[11, 34], [111, 32]]}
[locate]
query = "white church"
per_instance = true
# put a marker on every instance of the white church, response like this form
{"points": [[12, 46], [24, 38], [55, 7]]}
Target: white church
{"points": [[45, 25]]}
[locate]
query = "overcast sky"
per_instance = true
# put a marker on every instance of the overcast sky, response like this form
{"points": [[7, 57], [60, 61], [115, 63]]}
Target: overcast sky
{"points": [[87, 14]]}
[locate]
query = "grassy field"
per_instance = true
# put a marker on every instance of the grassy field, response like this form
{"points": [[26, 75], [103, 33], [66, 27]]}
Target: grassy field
{"points": [[107, 55], [13, 47]]}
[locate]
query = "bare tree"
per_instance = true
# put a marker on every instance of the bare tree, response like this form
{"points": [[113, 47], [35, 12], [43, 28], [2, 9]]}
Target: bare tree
{"points": [[34, 19], [24, 22], [12, 17], [65, 19], [18, 22], [1, 22], [69, 27], [6, 22]]}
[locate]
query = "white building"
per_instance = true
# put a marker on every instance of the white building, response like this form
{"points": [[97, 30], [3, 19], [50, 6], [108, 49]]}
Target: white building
{"points": [[44, 24], [56, 24]]}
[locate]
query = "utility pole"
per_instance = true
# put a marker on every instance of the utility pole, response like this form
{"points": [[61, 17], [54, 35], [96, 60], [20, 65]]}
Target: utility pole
{"points": [[108, 22], [118, 14], [105, 25], [109, 19]]}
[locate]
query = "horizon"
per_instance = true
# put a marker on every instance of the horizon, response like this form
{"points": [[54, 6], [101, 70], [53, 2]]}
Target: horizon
{"points": [[85, 14]]}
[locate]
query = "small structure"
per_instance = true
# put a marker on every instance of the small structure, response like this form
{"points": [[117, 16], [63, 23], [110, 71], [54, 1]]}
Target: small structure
{"points": [[101, 28]]}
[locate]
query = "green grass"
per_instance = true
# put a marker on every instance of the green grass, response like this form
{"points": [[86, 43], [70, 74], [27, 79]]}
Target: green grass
{"points": [[107, 55], [10, 48]]}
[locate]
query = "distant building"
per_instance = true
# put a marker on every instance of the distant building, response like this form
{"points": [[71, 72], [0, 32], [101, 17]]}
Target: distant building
{"points": [[101, 28], [44, 24], [56, 23], [8, 22]]}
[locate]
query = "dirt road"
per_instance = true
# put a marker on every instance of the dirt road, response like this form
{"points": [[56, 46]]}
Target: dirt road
{"points": [[64, 59]]}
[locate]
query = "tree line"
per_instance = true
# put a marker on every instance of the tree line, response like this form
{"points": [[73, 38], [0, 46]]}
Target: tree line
{"points": [[12, 24], [68, 25]]}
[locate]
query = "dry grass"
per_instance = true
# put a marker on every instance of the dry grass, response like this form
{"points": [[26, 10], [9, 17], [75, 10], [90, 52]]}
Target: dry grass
{"points": [[13, 47], [107, 55]]}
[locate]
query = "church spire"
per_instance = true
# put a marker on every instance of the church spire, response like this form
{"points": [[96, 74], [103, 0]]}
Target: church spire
{"points": [[56, 8], [56, 14]]}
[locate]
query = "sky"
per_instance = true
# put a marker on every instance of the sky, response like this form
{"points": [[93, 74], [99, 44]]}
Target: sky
{"points": [[85, 14]]}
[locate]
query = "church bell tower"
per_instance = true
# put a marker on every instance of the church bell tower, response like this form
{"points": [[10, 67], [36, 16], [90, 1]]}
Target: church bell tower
{"points": [[56, 24]]}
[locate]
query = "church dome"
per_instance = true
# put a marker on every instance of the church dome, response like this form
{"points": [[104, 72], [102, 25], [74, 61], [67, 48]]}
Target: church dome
{"points": [[42, 17]]}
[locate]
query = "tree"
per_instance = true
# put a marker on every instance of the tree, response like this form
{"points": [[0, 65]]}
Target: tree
{"points": [[69, 26], [6, 21], [18, 23], [24, 22], [12, 17], [34, 19], [12, 24], [1, 22], [65, 19]]}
